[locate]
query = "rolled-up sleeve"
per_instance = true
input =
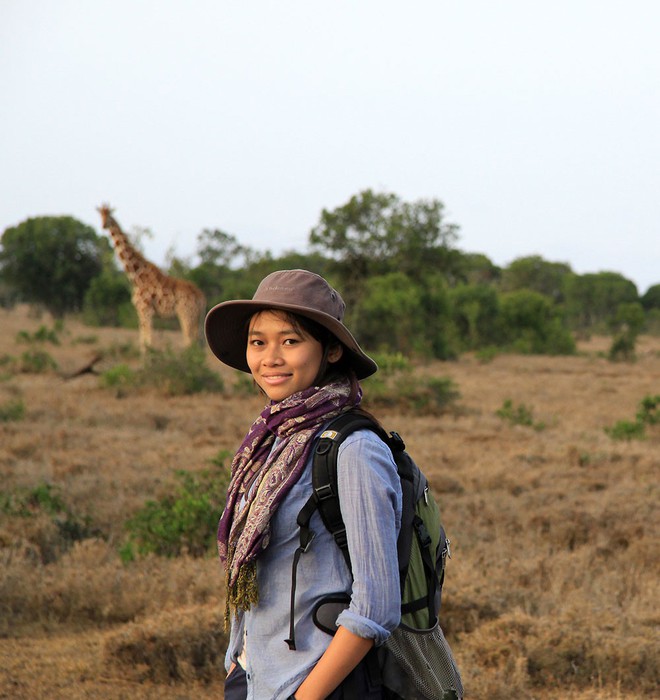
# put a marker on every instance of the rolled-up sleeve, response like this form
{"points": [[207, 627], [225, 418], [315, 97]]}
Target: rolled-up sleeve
{"points": [[370, 498]]}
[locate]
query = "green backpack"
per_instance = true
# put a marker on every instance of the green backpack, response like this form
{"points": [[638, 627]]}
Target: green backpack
{"points": [[415, 662]]}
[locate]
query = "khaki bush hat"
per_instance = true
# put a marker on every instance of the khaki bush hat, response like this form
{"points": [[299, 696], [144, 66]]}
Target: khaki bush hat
{"points": [[299, 291]]}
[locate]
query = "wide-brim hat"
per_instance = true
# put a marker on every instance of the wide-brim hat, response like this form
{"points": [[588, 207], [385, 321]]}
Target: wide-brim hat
{"points": [[298, 291]]}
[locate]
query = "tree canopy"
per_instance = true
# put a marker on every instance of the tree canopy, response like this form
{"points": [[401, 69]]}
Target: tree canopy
{"points": [[52, 260], [535, 273], [378, 233], [407, 285]]}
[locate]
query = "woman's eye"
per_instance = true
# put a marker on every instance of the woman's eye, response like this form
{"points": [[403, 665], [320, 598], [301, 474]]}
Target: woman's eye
{"points": [[291, 341]]}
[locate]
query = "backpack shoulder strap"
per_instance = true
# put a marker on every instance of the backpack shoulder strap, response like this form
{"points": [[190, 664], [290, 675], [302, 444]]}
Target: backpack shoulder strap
{"points": [[325, 495], [324, 472]]}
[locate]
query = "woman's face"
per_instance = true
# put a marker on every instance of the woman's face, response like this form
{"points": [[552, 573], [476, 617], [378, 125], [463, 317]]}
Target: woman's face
{"points": [[283, 359]]}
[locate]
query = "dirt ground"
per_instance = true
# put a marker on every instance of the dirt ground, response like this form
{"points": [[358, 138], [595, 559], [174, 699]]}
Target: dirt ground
{"points": [[551, 592]]}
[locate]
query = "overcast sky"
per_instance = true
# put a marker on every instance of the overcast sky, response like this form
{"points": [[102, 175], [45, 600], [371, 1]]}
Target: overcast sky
{"points": [[536, 124]]}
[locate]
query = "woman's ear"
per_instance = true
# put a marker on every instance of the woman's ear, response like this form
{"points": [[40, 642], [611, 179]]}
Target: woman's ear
{"points": [[335, 352]]}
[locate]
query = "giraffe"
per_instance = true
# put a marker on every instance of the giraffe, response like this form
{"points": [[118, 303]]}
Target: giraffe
{"points": [[154, 292]]}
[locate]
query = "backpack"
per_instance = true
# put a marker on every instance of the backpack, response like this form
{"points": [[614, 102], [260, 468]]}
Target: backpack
{"points": [[415, 662]]}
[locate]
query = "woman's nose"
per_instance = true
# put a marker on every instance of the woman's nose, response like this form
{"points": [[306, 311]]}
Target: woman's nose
{"points": [[272, 356]]}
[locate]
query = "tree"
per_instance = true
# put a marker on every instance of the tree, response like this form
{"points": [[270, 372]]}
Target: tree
{"points": [[651, 299], [591, 300], [530, 324], [52, 261], [217, 247], [377, 233], [475, 311], [477, 268], [535, 273], [107, 300], [390, 317], [626, 325]]}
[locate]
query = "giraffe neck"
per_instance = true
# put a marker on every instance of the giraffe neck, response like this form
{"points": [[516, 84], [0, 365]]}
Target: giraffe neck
{"points": [[132, 260]]}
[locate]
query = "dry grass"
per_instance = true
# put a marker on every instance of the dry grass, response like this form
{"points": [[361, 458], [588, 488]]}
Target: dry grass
{"points": [[551, 591]]}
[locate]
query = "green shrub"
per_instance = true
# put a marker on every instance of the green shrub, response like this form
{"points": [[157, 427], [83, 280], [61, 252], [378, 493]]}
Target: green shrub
{"points": [[12, 410], [8, 365], [626, 430], [46, 500], [518, 415], [183, 521], [406, 392], [36, 362], [118, 377], [105, 297], [171, 373], [42, 335], [622, 348], [475, 311], [531, 325], [85, 340], [127, 350], [626, 325], [179, 374], [127, 315], [389, 363], [648, 413], [26, 502], [244, 385], [653, 322], [487, 354]]}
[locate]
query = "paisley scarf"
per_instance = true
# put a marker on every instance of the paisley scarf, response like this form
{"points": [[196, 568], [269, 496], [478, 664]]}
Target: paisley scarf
{"points": [[263, 474]]}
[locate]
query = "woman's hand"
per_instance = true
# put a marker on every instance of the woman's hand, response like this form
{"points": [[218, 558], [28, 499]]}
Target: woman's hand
{"points": [[344, 653]]}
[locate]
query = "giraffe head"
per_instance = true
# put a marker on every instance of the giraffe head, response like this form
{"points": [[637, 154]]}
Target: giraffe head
{"points": [[106, 213]]}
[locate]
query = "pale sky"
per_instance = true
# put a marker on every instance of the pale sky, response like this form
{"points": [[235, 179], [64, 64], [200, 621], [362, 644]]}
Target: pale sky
{"points": [[536, 124]]}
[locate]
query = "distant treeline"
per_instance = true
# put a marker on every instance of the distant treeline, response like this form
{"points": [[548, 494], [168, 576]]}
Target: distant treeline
{"points": [[407, 285]]}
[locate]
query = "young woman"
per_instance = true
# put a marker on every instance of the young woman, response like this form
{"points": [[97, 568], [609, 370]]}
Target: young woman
{"points": [[291, 338]]}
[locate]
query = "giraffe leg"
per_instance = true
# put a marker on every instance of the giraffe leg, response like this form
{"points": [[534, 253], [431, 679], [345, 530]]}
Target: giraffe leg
{"points": [[189, 322], [145, 322]]}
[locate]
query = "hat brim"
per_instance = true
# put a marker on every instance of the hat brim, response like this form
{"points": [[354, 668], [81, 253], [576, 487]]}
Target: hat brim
{"points": [[226, 327]]}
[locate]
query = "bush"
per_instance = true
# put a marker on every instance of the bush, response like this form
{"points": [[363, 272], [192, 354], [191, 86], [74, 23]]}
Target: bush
{"points": [[389, 363], [42, 335], [405, 392], [45, 501], [244, 385], [626, 326], [118, 377], [649, 410], [104, 298], [518, 415], [12, 410], [390, 317], [648, 413], [36, 362], [475, 311], [531, 326], [183, 521], [179, 374], [626, 430], [171, 373]]}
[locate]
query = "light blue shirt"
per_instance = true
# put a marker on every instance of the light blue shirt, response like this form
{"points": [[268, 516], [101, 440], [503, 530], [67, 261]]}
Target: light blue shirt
{"points": [[370, 497]]}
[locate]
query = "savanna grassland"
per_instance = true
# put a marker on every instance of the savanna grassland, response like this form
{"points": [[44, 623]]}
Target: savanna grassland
{"points": [[552, 591]]}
